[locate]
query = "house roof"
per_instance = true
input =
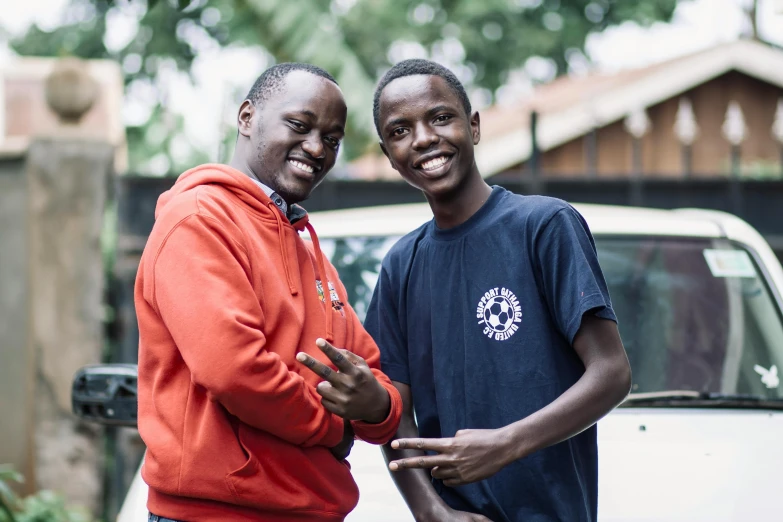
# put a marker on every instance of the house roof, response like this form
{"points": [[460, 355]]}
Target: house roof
{"points": [[570, 107]]}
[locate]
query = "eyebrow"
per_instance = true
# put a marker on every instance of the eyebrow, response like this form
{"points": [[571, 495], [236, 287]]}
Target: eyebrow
{"points": [[395, 121], [431, 112], [439, 108]]}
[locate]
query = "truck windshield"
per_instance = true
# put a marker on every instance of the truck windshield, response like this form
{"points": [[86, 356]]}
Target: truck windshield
{"points": [[694, 314]]}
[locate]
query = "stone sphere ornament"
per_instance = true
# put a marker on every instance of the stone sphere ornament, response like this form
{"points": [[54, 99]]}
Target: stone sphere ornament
{"points": [[70, 90]]}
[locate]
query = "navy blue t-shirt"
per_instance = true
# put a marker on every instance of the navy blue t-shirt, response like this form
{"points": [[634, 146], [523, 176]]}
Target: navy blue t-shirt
{"points": [[479, 320]]}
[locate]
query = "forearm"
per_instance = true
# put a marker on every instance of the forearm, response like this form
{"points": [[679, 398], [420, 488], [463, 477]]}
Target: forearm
{"points": [[279, 402], [600, 389], [415, 485]]}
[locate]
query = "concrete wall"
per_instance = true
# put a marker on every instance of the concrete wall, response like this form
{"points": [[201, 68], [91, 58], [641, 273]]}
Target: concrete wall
{"points": [[15, 360], [67, 180]]}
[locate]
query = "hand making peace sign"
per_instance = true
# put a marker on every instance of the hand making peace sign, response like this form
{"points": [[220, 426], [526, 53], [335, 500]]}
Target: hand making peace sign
{"points": [[469, 456], [352, 392]]}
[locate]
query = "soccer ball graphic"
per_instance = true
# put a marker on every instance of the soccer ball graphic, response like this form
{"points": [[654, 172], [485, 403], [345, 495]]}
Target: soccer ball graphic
{"points": [[498, 314]]}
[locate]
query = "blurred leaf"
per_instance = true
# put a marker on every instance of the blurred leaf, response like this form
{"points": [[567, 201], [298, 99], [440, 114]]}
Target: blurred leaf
{"points": [[7, 472], [8, 502], [43, 506]]}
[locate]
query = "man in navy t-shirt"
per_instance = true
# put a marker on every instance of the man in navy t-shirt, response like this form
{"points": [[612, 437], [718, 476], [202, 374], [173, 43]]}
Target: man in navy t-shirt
{"points": [[495, 324]]}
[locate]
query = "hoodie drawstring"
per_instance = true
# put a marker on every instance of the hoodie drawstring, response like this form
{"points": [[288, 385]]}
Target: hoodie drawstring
{"points": [[326, 286], [283, 249]]}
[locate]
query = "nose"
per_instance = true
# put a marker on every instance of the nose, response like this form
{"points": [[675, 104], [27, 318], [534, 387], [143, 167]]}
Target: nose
{"points": [[314, 147], [424, 137]]}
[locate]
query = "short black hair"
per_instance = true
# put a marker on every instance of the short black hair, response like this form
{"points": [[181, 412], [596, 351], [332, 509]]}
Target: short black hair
{"points": [[413, 67], [271, 80]]}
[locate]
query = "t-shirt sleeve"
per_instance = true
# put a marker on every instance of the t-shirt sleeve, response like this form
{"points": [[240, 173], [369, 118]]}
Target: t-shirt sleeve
{"points": [[572, 281], [383, 324]]}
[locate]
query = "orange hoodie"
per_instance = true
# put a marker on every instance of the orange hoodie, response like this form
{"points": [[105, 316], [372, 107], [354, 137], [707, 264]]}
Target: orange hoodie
{"points": [[227, 294]]}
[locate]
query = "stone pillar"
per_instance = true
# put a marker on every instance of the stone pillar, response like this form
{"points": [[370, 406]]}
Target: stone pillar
{"points": [[16, 402], [67, 173]]}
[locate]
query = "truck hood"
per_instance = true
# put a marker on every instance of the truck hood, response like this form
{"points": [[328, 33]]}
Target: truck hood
{"points": [[690, 465]]}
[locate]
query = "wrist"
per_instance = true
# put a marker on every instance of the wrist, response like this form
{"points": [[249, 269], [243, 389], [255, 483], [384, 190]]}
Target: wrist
{"points": [[512, 443], [383, 410]]}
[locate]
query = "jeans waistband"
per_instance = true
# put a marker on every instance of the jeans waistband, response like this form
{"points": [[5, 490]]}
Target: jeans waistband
{"points": [[156, 518]]}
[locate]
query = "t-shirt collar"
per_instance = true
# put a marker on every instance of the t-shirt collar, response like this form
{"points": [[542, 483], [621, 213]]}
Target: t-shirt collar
{"points": [[460, 230]]}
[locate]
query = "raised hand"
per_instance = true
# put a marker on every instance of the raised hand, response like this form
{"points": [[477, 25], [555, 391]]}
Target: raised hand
{"points": [[352, 392], [470, 456]]}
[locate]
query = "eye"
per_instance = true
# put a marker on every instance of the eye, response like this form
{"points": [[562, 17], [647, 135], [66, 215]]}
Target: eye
{"points": [[399, 131], [298, 126], [443, 118], [333, 142]]}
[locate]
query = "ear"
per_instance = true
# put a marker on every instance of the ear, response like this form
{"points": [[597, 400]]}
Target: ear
{"points": [[245, 118], [386, 153], [475, 127]]}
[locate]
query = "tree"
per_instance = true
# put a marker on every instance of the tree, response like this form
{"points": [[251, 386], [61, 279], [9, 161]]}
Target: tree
{"points": [[355, 40]]}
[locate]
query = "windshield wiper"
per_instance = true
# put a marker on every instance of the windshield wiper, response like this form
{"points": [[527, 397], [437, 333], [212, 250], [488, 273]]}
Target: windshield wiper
{"points": [[695, 399]]}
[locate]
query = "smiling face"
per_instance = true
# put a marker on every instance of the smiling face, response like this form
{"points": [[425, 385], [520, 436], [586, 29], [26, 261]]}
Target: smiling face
{"points": [[292, 138], [427, 135]]}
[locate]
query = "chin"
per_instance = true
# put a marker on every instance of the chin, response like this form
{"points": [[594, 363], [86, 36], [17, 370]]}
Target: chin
{"points": [[436, 188], [296, 196], [295, 192]]}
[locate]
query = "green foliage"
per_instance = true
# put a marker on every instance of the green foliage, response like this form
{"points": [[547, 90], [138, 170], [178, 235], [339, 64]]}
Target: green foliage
{"points": [[497, 35], [353, 39], [43, 506]]}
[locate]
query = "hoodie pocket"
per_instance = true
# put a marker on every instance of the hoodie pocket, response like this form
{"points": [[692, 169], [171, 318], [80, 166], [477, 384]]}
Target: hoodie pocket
{"points": [[278, 476], [247, 470]]}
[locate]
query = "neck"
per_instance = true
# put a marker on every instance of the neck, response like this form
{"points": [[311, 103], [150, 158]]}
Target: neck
{"points": [[458, 206], [242, 166], [238, 162]]}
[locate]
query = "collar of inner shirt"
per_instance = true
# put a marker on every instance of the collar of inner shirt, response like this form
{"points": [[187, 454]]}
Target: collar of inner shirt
{"points": [[274, 196]]}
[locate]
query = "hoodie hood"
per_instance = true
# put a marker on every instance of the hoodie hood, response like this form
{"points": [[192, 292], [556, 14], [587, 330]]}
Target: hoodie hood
{"points": [[238, 183]]}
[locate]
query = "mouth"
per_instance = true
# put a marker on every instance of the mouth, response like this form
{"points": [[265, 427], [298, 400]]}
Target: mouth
{"points": [[303, 166], [434, 165]]}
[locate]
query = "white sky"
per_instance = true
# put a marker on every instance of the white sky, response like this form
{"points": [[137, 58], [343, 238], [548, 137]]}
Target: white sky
{"points": [[697, 24]]}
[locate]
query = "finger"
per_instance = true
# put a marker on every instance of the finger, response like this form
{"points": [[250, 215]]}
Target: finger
{"points": [[453, 482], [354, 359], [422, 444], [444, 472], [328, 392], [336, 356], [318, 368], [423, 462], [333, 407]]}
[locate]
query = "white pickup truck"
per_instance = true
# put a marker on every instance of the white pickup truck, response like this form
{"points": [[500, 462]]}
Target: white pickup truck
{"points": [[699, 297]]}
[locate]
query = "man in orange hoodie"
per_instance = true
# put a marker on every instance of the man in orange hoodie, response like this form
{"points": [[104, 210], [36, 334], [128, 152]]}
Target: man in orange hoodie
{"points": [[227, 297]]}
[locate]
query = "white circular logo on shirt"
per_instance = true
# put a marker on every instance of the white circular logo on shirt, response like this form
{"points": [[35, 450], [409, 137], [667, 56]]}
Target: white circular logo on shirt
{"points": [[499, 312]]}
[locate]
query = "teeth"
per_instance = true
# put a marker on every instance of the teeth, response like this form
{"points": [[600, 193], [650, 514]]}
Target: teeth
{"points": [[434, 163], [301, 166]]}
